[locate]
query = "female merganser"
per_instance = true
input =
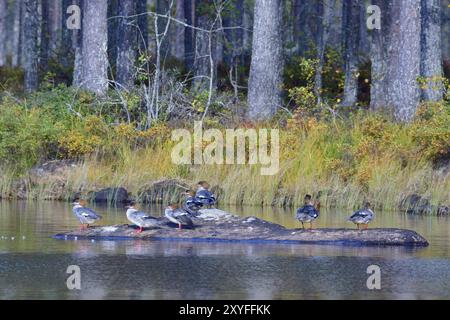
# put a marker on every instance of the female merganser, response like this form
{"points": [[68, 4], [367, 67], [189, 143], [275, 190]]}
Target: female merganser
{"points": [[192, 204], [308, 213], [86, 216], [203, 195], [141, 219], [363, 216], [178, 216]]}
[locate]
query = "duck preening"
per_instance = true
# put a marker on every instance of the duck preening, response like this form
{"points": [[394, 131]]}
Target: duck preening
{"points": [[140, 219], [178, 216], [191, 203], [86, 216], [203, 194], [363, 216], [309, 212]]}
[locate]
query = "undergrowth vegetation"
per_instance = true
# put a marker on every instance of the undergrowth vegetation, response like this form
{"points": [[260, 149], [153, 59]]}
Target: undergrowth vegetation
{"points": [[344, 155], [363, 156]]}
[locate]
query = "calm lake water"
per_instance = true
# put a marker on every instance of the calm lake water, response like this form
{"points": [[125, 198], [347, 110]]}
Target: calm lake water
{"points": [[33, 265]]}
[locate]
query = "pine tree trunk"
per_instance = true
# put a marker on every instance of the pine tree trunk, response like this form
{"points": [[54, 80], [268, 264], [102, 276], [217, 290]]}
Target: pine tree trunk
{"points": [[162, 8], [378, 57], [302, 25], [66, 57], [113, 31], [189, 49], [30, 44], [127, 46], [364, 38], [141, 9], [179, 30], [45, 34], [321, 46], [350, 28], [16, 37], [403, 62], [445, 28], [431, 60], [55, 12], [264, 95], [203, 52], [77, 39], [94, 46], [3, 31]]}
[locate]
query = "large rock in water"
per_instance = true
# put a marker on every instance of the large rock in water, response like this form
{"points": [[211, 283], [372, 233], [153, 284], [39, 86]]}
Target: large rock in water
{"points": [[217, 225], [115, 195]]}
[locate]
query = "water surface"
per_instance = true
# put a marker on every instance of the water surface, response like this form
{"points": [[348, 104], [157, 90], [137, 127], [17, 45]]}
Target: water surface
{"points": [[33, 265]]}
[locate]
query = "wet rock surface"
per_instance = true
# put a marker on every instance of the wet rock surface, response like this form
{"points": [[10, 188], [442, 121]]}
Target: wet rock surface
{"points": [[217, 225], [110, 195]]}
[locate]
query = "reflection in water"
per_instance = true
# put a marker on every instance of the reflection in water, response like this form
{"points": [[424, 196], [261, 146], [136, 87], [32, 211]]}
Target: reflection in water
{"points": [[35, 267]]}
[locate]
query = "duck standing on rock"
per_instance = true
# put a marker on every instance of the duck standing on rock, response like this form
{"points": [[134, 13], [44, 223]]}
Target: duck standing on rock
{"points": [[309, 212], [191, 203], [178, 216], [203, 194], [141, 219], [363, 216], [86, 216]]}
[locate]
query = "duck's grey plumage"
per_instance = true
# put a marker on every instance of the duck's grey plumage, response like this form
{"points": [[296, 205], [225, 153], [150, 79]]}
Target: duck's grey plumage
{"points": [[363, 216], [178, 216], [142, 219], [85, 215], [205, 197], [192, 205], [307, 213]]}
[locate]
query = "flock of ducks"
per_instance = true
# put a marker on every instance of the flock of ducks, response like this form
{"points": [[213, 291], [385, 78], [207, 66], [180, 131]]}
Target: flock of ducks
{"points": [[195, 200], [310, 212], [182, 217]]}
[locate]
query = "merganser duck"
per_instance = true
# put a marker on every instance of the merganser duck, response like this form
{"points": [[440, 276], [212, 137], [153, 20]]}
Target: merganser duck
{"points": [[178, 216], [86, 216], [363, 216], [203, 194], [309, 212], [141, 219], [191, 203]]}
